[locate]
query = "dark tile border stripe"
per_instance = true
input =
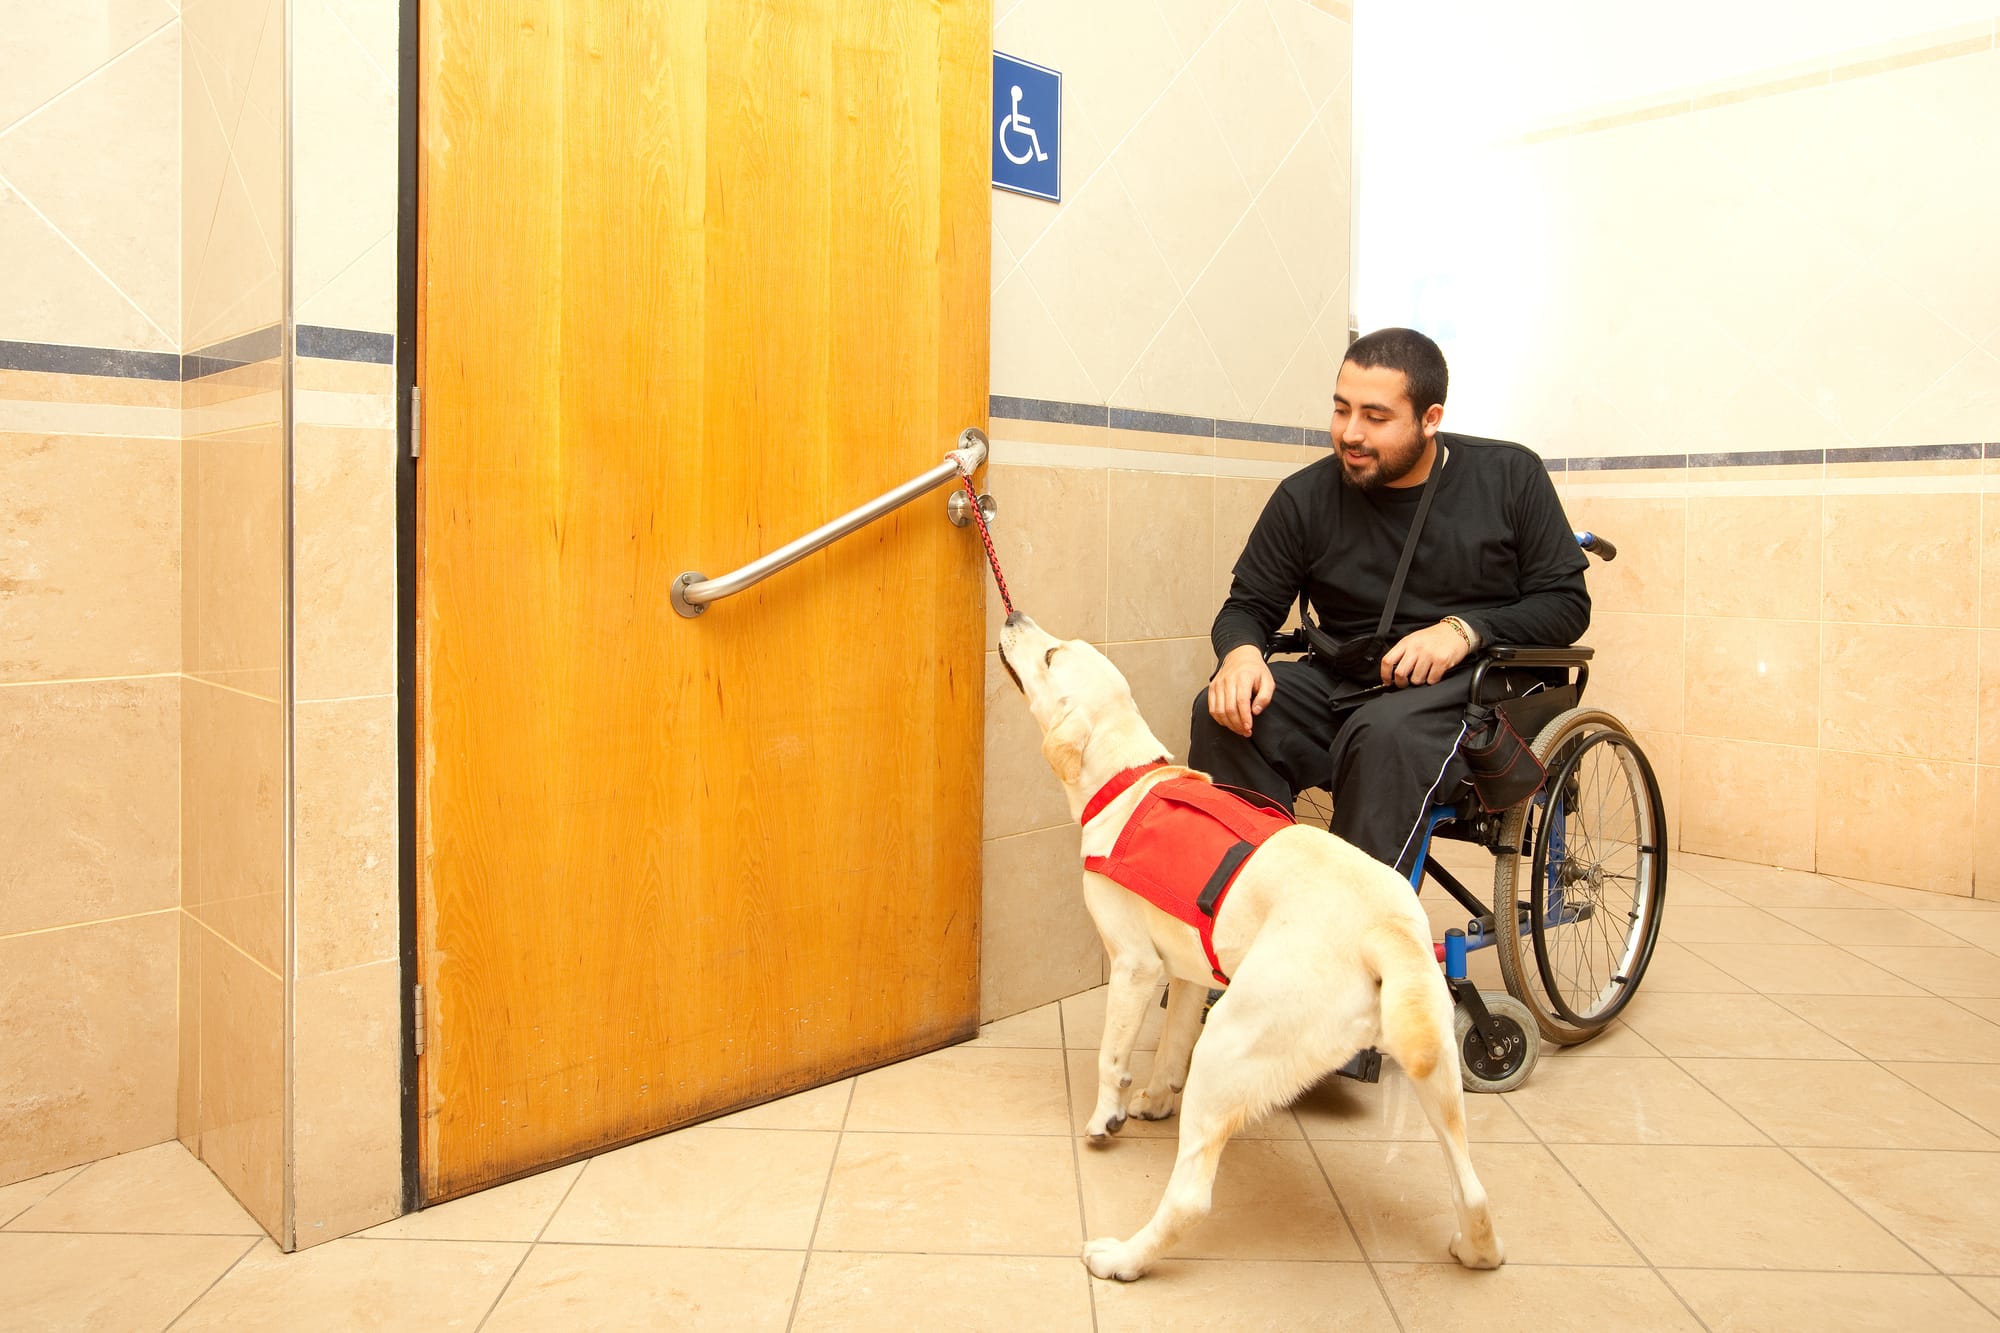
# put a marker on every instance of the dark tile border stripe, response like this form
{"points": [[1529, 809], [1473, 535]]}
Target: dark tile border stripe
{"points": [[1904, 453], [1759, 458], [244, 350], [1636, 462], [1172, 423], [1256, 430], [57, 359], [247, 349], [375, 349], [1161, 423], [1042, 409]]}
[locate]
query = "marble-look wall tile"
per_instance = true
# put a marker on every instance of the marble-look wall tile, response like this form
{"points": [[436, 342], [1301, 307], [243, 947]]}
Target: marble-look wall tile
{"points": [[345, 867], [101, 162], [236, 543], [1989, 696], [1749, 801], [1162, 548], [344, 577], [92, 781], [1754, 556], [348, 1101], [1037, 942], [1899, 689], [1989, 554], [1897, 821], [90, 557], [1165, 676], [1753, 680], [1906, 559], [232, 818], [344, 155], [238, 1027], [86, 1042], [49, 53], [1986, 832]]}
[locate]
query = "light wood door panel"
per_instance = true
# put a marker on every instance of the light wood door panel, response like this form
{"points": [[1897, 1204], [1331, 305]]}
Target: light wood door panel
{"points": [[696, 279]]}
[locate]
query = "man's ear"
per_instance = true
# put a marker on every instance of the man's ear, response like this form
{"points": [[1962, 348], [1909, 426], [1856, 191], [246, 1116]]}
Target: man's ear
{"points": [[1063, 745], [1433, 415]]}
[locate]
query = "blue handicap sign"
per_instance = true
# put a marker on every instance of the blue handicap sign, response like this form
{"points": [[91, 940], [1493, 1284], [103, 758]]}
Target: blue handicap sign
{"points": [[1027, 128]]}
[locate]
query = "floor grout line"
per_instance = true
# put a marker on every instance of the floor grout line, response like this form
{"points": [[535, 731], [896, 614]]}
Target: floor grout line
{"points": [[204, 1293], [1090, 1279], [1605, 1213], [819, 1214], [541, 1231], [1381, 1285]]}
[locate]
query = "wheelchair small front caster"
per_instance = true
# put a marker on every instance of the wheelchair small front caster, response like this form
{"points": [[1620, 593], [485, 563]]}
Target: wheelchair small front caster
{"points": [[1502, 1065]]}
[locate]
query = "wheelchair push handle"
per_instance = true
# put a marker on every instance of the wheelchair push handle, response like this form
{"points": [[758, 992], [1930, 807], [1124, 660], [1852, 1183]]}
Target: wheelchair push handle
{"points": [[1600, 547]]}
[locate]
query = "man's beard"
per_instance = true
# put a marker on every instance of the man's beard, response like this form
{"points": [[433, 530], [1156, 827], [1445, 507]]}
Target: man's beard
{"points": [[1389, 466]]}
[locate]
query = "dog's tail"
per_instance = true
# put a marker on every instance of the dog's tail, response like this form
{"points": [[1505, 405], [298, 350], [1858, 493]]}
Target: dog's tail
{"points": [[1411, 1012]]}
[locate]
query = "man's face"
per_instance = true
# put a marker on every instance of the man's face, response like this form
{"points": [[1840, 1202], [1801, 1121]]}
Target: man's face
{"points": [[1375, 428]]}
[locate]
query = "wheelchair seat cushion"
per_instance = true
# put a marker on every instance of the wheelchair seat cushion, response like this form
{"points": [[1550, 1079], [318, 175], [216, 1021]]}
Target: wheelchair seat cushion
{"points": [[1182, 848]]}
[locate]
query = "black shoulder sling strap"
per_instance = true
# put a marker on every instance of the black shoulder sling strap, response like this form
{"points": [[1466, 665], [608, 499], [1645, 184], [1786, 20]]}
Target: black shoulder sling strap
{"points": [[1360, 658]]}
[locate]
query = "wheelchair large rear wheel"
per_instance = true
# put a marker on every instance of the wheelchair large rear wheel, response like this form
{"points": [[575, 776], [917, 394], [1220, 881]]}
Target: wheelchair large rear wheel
{"points": [[1581, 882]]}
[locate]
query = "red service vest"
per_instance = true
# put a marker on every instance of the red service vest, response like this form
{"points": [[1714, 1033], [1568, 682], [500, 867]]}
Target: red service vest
{"points": [[1183, 847]]}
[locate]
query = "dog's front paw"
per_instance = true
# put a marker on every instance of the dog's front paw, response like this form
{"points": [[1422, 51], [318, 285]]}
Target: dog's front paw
{"points": [[1490, 1255], [1100, 1129], [1151, 1105], [1111, 1258]]}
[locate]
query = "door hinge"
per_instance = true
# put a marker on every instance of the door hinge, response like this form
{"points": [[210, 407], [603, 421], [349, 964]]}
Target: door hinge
{"points": [[417, 1022], [416, 421]]}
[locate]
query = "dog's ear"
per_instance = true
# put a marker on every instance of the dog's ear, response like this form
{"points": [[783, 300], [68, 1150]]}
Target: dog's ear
{"points": [[1063, 745]]}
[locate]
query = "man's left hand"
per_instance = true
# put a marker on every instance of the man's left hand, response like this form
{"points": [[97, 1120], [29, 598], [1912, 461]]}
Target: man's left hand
{"points": [[1424, 657]]}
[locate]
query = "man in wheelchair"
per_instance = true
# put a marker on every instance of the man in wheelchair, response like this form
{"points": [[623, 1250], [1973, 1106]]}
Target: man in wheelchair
{"points": [[1408, 550]]}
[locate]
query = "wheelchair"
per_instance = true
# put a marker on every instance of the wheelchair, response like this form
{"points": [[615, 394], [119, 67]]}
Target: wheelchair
{"points": [[1579, 878]]}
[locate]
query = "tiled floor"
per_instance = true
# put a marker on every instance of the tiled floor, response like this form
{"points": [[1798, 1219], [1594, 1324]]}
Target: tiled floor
{"points": [[1796, 1129]]}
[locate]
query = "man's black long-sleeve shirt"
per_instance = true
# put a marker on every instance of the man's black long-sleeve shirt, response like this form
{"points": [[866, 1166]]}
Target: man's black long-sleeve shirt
{"points": [[1496, 551]]}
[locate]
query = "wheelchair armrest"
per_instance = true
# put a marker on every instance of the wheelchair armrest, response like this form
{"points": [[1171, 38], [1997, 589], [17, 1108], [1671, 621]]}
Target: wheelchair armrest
{"points": [[1515, 654], [1291, 641], [1575, 658]]}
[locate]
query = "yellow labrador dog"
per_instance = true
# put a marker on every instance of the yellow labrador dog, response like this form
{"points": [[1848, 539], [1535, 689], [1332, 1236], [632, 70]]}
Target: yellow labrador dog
{"points": [[1326, 949]]}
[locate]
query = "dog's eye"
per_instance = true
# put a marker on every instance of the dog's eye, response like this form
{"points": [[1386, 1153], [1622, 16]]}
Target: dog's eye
{"points": [[1050, 656]]}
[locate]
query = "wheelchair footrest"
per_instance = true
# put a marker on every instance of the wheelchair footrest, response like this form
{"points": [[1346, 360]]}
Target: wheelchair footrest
{"points": [[1364, 1067]]}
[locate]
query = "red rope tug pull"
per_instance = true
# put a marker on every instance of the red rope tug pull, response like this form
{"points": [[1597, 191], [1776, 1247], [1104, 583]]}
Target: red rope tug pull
{"points": [[986, 535]]}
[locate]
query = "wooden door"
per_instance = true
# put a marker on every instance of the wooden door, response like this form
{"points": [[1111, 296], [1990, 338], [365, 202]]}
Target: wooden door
{"points": [[697, 278]]}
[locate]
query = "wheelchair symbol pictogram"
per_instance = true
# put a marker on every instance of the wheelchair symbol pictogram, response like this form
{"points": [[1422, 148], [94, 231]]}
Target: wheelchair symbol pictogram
{"points": [[1015, 125]]}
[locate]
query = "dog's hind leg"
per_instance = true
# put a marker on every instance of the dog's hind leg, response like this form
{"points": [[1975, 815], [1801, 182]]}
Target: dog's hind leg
{"points": [[1236, 1074], [1162, 1093], [1133, 978], [1417, 1034]]}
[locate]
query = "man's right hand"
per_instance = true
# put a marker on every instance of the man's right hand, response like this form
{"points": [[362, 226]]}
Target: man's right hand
{"points": [[1240, 689]]}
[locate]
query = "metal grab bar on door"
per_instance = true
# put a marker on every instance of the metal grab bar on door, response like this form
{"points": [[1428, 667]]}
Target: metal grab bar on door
{"points": [[694, 591]]}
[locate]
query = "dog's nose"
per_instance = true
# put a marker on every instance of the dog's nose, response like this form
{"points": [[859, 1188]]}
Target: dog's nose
{"points": [[1013, 617]]}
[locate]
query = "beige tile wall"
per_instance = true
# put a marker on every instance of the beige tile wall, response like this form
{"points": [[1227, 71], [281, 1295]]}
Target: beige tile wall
{"points": [[347, 1171], [1198, 265], [90, 575], [235, 922], [347, 968], [1198, 262], [1820, 738], [1819, 635]]}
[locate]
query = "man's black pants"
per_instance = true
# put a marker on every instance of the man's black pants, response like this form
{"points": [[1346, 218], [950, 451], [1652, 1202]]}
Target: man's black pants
{"points": [[1382, 759]]}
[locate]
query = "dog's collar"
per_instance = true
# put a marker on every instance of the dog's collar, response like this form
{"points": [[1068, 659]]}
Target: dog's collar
{"points": [[1115, 788]]}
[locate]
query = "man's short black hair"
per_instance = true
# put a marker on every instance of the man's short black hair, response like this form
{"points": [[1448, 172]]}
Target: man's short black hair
{"points": [[1412, 353]]}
